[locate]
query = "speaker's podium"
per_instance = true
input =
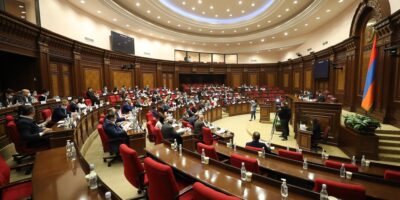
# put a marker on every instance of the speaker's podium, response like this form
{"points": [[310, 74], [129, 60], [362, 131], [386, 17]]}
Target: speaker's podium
{"points": [[265, 110]]}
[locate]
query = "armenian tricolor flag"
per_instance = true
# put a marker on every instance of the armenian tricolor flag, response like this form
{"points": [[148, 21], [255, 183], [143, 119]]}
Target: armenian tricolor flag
{"points": [[369, 88]]}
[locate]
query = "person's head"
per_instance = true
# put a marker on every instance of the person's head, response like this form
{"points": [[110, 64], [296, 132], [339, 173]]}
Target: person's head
{"points": [[26, 110], [90, 89], [201, 117], [64, 103], [314, 121], [117, 107], [111, 114], [75, 99], [26, 92], [256, 136], [129, 101], [9, 93], [170, 120], [81, 100]]}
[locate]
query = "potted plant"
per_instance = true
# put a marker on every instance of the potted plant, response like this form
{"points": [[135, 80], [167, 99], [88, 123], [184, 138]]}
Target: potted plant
{"points": [[361, 124]]}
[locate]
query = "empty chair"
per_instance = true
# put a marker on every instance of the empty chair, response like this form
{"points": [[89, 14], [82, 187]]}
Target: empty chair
{"points": [[392, 175], [209, 150], [253, 148], [117, 98], [162, 182], [251, 164], [133, 169], [202, 192], [150, 128], [291, 154], [207, 136], [158, 135], [112, 100], [337, 165], [16, 190], [46, 113], [340, 190]]}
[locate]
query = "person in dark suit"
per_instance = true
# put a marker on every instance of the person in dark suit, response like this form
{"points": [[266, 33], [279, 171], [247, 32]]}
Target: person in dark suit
{"points": [[169, 132], [29, 130], [73, 106], [43, 97], [321, 97], [127, 107], [284, 115], [116, 134], [7, 100], [90, 94], [23, 97], [198, 128], [60, 112], [256, 142], [316, 133]]}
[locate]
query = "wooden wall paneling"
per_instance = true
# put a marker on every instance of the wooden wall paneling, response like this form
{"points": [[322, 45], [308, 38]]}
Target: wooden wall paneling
{"points": [[121, 77], [107, 69], [54, 86], [236, 79], [91, 78], [148, 79], [159, 76], [253, 78], [176, 79]]}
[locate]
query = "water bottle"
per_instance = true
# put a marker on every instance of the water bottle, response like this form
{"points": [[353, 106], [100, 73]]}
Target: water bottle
{"points": [[287, 148], [363, 161], [203, 155], [342, 171], [323, 154], [234, 147], [284, 189], [175, 145], [263, 152], [305, 164], [230, 143], [180, 149], [323, 195], [73, 151], [92, 178], [353, 160], [243, 172], [68, 148], [107, 195]]}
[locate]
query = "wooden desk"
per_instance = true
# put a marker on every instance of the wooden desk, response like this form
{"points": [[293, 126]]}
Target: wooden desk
{"points": [[238, 109], [356, 144], [224, 177], [375, 188], [265, 111], [56, 177], [188, 141], [59, 136], [137, 141], [304, 139]]}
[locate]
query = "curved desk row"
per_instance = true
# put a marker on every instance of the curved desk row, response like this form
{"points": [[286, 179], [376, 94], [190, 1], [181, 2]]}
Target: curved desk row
{"points": [[238, 109]]}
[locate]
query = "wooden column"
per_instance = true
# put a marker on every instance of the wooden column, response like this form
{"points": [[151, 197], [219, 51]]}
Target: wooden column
{"points": [[138, 75], [106, 70], [351, 76], [44, 62], [159, 78], [76, 72], [176, 77]]}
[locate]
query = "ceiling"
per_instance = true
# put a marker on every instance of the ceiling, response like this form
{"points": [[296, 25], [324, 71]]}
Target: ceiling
{"points": [[274, 24]]}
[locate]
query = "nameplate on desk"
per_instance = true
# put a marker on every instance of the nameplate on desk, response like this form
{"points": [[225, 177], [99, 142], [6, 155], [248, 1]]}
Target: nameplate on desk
{"points": [[42, 102], [28, 104], [69, 98], [58, 100]]}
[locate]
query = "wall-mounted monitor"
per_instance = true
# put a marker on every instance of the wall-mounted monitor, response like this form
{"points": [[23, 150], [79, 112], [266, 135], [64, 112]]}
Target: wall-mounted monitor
{"points": [[321, 69], [122, 43]]}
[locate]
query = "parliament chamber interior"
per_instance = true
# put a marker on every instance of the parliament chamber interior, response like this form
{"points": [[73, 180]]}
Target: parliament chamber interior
{"points": [[199, 99]]}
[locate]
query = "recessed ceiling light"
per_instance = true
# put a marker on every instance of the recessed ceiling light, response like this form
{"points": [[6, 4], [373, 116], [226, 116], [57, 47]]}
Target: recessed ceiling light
{"points": [[269, 21], [253, 4], [23, 17], [199, 1], [193, 8], [279, 16], [98, 11], [305, 24], [240, 2], [251, 42], [286, 33], [258, 25], [137, 4], [262, 40], [114, 19], [189, 28], [317, 18], [238, 43], [203, 13], [200, 29], [158, 17], [211, 31], [243, 11], [234, 31], [168, 21], [179, 25], [287, 9], [294, 2], [227, 10], [295, 29], [230, 15], [82, 1], [273, 37], [216, 15], [328, 10], [127, 25], [183, 2], [148, 11], [23, 12], [340, 1], [247, 29], [21, 6], [222, 31], [211, 7]]}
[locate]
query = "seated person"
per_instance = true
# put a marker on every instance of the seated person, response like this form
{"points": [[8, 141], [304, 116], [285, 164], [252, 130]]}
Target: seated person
{"points": [[198, 128], [60, 112], [256, 142], [127, 107], [23, 97], [316, 133], [44, 96], [92, 96], [73, 106], [81, 104], [169, 132], [118, 113], [29, 130], [116, 134]]}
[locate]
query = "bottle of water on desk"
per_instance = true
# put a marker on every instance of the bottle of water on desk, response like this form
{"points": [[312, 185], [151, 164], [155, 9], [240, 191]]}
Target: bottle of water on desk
{"points": [[107, 195], [73, 152], [305, 164], [243, 172], [175, 145], [363, 161], [284, 189], [263, 152], [353, 160], [180, 149], [323, 195], [92, 178], [342, 171], [203, 155], [68, 148]]}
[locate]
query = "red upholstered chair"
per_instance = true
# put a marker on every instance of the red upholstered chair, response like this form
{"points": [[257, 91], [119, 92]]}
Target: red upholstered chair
{"points": [[251, 164], [133, 169], [340, 190], [162, 182], [209, 150], [106, 145], [325, 134], [207, 136], [149, 116], [46, 113], [16, 190], [9, 118], [117, 98], [253, 148], [101, 120], [150, 128], [21, 148], [102, 115], [202, 192], [88, 102], [112, 100], [337, 165], [291, 154], [392, 175], [187, 124], [158, 135]]}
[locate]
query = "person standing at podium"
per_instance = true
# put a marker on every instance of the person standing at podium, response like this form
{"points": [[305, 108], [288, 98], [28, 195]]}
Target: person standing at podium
{"points": [[253, 109], [284, 115]]}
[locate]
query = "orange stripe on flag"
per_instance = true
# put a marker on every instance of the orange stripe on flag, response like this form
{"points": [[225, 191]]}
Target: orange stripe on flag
{"points": [[369, 98]]}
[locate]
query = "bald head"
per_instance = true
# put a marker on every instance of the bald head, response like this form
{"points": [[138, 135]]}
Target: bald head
{"points": [[26, 92], [256, 136]]}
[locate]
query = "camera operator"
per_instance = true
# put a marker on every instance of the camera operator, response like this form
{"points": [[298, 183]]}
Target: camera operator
{"points": [[284, 114]]}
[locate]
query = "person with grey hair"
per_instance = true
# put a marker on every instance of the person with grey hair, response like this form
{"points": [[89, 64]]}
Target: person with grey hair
{"points": [[169, 132], [256, 142]]}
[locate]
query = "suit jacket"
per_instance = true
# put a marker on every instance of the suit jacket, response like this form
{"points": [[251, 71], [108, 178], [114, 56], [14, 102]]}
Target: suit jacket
{"points": [[73, 107], [29, 132], [42, 98], [21, 99], [198, 129], [126, 108], [285, 114], [92, 97], [169, 133], [59, 113], [316, 131], [258, 144], [115, 133]]}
